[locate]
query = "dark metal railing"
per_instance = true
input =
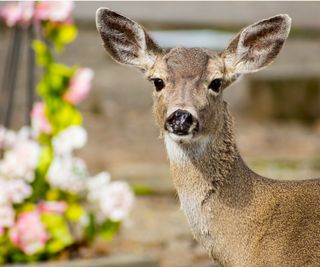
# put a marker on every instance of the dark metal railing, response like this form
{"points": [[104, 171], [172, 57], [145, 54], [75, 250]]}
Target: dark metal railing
{"points": [[10, 74]]}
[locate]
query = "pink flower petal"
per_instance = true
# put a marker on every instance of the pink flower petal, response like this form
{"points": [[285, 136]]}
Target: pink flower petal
{"points": [[52, 206], [11, 13], [57, 11], [39, 120], [18, 13], [80, 86], [29, 233]]}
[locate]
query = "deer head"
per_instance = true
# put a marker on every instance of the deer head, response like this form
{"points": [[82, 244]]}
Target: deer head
{"points": [[189, 82]]}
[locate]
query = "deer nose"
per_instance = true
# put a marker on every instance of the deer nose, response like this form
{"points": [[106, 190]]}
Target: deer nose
{"points": [[180, 122]]}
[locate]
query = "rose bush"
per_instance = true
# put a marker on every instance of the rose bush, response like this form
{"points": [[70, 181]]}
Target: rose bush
{"points": [[45, 191]]}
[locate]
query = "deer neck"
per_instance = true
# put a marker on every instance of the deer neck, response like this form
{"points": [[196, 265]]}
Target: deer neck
{"points": [[207, 177], [207, 162]]}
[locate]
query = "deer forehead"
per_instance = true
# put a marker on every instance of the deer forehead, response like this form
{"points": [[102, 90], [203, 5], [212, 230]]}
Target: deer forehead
{"points": [[183, 64]]}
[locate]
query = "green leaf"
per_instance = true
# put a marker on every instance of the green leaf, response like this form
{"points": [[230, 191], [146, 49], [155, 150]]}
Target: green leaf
{"points": [[62, 115], [59, 77], [53, 194], [43, 56], [55, 80], [40, 185], [74, 212], [60, 236], [90, 230], [18, 256], [45, 160], [66, 34], [2, 259], [60, 34], [3, 247], [108, 229], [142, 190], [27, 207]]}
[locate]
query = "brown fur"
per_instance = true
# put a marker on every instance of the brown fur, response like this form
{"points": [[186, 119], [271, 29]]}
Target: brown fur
{"points": [[241, 218], [250, 220]]}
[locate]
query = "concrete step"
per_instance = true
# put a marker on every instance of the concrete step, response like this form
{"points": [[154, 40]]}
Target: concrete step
{"points": [[116, 260]]}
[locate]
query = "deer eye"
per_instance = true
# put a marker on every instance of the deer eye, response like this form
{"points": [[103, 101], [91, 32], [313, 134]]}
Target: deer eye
{"points": [[215, 85], [158, 83]]}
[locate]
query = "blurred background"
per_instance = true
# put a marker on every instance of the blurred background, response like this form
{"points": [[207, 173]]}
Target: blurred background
{"points": [[277, 110]]}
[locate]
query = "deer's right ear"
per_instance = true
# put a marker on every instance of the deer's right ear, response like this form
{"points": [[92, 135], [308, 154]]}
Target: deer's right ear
{"points": [[125, 40]]}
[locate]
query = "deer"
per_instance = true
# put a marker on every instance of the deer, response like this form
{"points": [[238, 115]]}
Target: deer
{"points": [[241, 218]]}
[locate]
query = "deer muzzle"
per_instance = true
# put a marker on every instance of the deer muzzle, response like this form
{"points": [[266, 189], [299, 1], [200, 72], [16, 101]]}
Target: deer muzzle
{"points": [[181, 122]]}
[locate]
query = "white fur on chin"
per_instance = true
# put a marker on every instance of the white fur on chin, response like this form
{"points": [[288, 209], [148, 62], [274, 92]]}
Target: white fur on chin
{"points": [[181, 148]]}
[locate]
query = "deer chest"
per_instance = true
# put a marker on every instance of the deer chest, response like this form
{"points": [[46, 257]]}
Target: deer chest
{"points": [[197, 220]]}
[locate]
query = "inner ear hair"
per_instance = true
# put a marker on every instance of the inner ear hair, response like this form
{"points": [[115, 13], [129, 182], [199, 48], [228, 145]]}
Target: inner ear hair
{"points": [[125, 40], [257, 45]]}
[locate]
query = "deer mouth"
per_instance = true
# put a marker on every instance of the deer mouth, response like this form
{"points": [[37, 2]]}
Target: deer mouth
{"points": [[182, 139], [182, 135]]}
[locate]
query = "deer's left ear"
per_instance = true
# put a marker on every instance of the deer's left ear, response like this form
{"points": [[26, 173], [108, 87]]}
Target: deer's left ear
{"points": [[257, 45]]}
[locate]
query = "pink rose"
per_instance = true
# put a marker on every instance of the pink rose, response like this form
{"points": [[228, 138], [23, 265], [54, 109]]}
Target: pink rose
{"points": [[11, 13], [29, 233], [14, 13], [39, 120], [80, 86], [27, 12], [24, 11], [57, 11], [52, 206]]}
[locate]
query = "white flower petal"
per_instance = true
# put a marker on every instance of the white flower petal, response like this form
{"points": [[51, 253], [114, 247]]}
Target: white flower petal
{"points": [[65, 142], [116, 200]]}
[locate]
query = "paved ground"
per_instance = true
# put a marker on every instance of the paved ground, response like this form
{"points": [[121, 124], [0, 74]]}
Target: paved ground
{"points": [[157, 227]]}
